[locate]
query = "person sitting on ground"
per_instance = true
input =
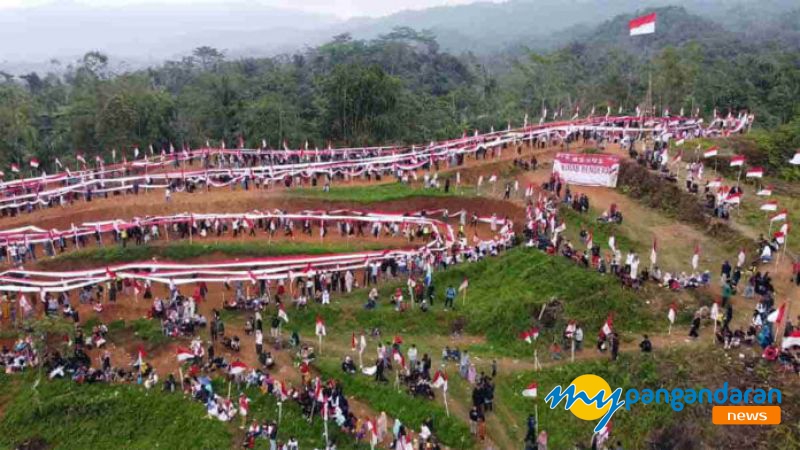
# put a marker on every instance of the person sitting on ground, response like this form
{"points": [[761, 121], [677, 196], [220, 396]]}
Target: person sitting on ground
{"points": [[646, 345], [348, 366]]}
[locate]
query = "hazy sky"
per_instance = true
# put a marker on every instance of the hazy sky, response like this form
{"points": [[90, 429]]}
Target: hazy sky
{"points": [[340, 8]]}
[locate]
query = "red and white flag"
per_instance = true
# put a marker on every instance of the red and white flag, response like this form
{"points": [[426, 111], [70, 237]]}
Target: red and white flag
{"points": [[35, 163], [696, 257], [711, 152], [770, 206], [464, 285], [15, 167], [755, 172], [398, 358], [777, 315], [765, 191], [734, 198], [779, 217], [282, 314], [737, 161], [531, 391], [643, 25], [792, 340], [607, 327], [80, 158], [603, 435], [353, 342], [237, 368], [184, 354], [440, 380], [320, 329], [795, 161], [672, 313]]}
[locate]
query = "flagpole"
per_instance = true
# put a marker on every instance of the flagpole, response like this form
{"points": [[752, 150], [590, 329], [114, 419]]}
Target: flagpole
{"points": [[446, 408]]}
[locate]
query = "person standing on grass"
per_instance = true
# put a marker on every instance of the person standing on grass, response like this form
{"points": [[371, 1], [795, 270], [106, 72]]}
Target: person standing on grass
{"points": [[449, 298], [259, 338]]}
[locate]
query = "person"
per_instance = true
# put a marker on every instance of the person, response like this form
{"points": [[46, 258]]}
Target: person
{"points": [[473, 421], [695, 326], [449, 298], [348, 366], [259, 338], [578, 338], [646, 345]]}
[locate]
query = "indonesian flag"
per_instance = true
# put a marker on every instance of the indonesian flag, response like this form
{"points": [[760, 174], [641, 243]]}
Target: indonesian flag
{"points": [[734, 198], [238, 367], [184, 354], [792, 340], [696, 257], [531, 391], [737, 161], [98, 160], [777, 315], [526, 336], [795, 160], [353, 342], [680, 141], [58, 164], [320, 330], [711, 152], [35, 163], [15, 167], [643, 25], [2, 174], [464, 285], [765, 192], [740, 259], [672, 313], [440, 380], [398, 357], [654, 252], [80, 158], [779, 217], [679, 156], [770, 206], [282, 314], [607, 327], [755, 172], [589, 240], [715, 183]]}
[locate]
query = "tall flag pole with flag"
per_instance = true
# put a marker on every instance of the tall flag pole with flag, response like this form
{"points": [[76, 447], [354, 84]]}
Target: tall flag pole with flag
{"points": [[463, 288], [696, 257], [672, 314]]}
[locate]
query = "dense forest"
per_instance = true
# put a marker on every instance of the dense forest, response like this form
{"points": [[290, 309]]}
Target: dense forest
{"points": [[399, 87]]}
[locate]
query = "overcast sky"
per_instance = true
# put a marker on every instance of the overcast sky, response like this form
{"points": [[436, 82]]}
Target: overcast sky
{"points": [[341, 8]]}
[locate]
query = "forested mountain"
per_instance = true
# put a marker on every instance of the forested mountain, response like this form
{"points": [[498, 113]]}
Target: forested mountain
{"points": [[398, 87]]}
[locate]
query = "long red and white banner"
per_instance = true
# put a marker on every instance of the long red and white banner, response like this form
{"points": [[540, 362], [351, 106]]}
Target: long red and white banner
{"points": [[349, 162]]}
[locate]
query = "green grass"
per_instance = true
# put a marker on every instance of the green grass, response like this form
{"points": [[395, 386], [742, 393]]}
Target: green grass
{"points": [[411, 411], [182, 250], [505, 294], [67, 415], [70, 416], [370, 194]]}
